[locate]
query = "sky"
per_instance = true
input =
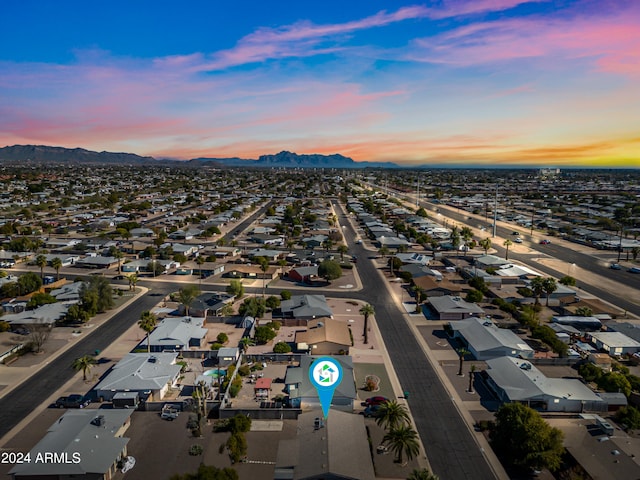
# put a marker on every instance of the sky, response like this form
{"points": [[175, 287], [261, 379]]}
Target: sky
{"points": [[442, 82]]}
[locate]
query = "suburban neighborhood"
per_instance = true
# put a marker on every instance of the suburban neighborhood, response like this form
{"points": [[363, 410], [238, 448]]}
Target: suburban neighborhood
{"points": [[190, 308]]}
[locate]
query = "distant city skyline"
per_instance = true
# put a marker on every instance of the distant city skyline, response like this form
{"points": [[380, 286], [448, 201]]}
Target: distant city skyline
{"points": [[464, 82]]}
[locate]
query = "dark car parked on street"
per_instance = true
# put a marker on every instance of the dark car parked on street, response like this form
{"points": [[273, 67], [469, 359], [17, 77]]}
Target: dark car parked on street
{"points": [[72, 401]]}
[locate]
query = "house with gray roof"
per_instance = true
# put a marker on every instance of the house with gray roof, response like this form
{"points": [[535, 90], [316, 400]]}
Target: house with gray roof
{"points": [[484, 261], [302, 394], [176, 334], [448, 307], [147, 373], [485, 340], [90, 440], [318, 450], [517, 380], [614, 343], [44, 315], [69, 293], [302, 308]]}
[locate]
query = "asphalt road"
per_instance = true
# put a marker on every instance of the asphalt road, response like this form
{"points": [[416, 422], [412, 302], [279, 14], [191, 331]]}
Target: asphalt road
{"points": [[566, 254], [450, 446]]}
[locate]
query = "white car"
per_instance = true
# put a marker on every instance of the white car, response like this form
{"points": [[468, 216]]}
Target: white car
{"points": [[518, 239]]}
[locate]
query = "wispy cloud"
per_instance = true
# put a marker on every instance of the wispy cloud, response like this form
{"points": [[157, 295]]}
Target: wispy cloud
{"points": [[610, 43]]}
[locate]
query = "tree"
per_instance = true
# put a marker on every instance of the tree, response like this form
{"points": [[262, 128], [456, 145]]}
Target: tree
{"points": [[485, 244], [285, 295], [38, 337], [461, 354], [366, 311], [392, 415], [524, 439], [28, 282], [56, 263], [549, 285], [384, 251], [264, 266], [133, 279], [282, 347], [568, 281], [272, 302], [422, 474], [84, 365], [147, 322], [614, 382], [186, 296], [329, 270], [474, 296], [421, 212], [472, 374], [253, 307], [403, 440], [327, 244], [264, 334], [537, 285], [629, 416], [41, 261], [96, 295], [342, 250], [236, 288], [507, 243]]}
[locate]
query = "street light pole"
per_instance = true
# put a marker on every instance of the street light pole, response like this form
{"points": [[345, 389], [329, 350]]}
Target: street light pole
{"points": [[495, 213]]}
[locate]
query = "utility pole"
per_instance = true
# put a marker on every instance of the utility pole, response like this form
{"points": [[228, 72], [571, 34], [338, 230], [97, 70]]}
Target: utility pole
{"points": [[495, 214], [417, 193], [620, 242], [533, 211]]}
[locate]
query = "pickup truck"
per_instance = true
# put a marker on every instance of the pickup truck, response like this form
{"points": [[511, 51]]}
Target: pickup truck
{"points": [[72, 401], [169, 412]]}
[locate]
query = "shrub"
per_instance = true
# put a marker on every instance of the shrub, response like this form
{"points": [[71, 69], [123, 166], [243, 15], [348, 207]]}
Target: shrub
{"points": [[474, 296], [244, 370], [195, 450], [237, 446], [282, 347], [285, 295], [222, 338], [216, 346], [239, 424], [629, 416], [264, 334]]}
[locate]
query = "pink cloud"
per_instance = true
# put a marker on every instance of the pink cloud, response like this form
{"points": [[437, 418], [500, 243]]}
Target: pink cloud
{"points": [[611, 43]]}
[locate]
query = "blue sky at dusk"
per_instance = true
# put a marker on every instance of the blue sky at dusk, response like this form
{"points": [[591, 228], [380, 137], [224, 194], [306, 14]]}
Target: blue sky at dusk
{"points": [[482, 82]]}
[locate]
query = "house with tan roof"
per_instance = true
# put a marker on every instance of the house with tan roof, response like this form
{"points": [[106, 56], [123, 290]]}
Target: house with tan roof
{"points": [[324, 336]]}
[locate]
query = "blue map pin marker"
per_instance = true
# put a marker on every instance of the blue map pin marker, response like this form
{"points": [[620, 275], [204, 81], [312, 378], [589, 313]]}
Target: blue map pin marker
{"points": [[325, 374]]}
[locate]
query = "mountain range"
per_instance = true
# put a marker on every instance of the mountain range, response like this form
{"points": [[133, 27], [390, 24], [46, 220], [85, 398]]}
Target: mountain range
{"points": [[27, 154]]}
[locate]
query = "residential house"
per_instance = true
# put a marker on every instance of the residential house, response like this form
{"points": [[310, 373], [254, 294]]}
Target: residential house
{"points": [[584, 324], [416, 270], [47, 315], [486, 261], [437, 288], [454, 308], [517, 380], [314, 241], [324, 336], [68, 293], [302, 308], [251, 271], [333, 449], [90, 441], [176, 334], [271, 255], [614, 343], [417, 258], [485, 340], [303, 274], [302, 393], [210, 304], [97, 262], [141, 372], [227, 356]]}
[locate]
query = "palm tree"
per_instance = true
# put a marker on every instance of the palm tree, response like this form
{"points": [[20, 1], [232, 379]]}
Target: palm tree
{"points": [[420, 296], [264, 266], [507, 243], [56, 263], [147, 322], [384, 251], [537, 286], [403, 440], [83, 364], [485, 243], [392, 415], [342, 249], [327, 244], [467, 234], [461, 353], [133, 279], [366, 311], [290, 244], [472, 373], [41, 261], [282, 263], [118, 254], [186, 296], [422, 474], [200, 260], [549, 286]]}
